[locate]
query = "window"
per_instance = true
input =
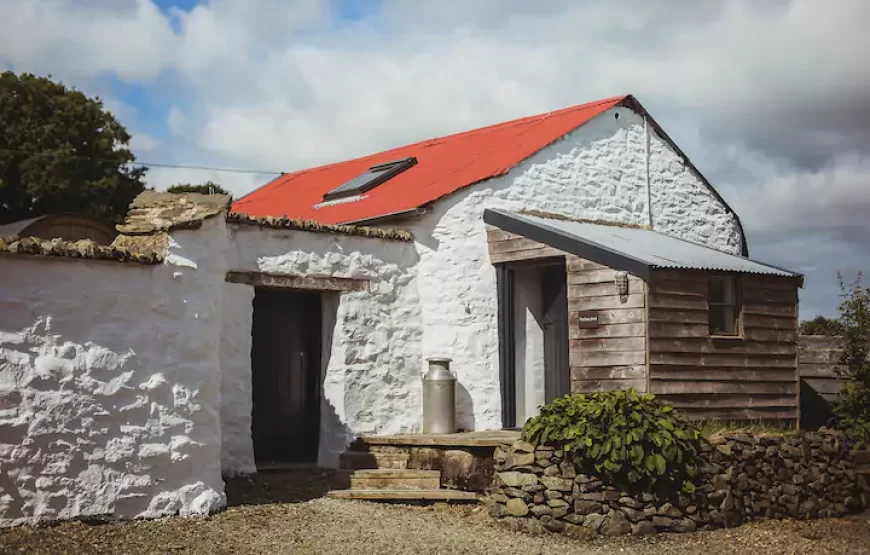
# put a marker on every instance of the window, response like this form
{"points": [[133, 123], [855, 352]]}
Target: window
{"points": [[724, 304], [370, 179]]}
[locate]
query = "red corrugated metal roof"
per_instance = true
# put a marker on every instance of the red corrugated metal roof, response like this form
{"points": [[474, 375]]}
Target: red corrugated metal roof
{"points": [[444, 165]]}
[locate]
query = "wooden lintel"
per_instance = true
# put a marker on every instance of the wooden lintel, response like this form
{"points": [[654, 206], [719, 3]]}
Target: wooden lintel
{"points": [[311, 283]]}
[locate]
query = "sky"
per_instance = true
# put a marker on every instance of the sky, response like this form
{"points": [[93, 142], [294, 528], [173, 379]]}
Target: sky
{"points": [[769, 99]]}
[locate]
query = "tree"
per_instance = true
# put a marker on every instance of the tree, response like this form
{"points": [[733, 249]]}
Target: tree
{"points": [[207, 188], [61, 151], [821, 326], [852, 407]]}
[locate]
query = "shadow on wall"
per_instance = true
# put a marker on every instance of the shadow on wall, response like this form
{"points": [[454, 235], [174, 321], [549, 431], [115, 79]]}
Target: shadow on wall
{"points": [[335, 435], [464, 409], [815, 409]]}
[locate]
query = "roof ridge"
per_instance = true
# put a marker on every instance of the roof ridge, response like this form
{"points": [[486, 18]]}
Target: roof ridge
{"points": [[501, 125]]}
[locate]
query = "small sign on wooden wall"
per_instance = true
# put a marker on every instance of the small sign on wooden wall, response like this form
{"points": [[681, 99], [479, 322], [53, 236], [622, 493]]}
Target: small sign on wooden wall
{"points": [[587, 319]]}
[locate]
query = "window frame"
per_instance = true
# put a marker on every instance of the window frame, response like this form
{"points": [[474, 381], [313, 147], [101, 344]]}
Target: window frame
{"points": [[737, 305], [386, 171]]}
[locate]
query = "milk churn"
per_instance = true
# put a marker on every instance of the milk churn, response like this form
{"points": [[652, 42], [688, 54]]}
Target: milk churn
{"points": [[439, 398]]}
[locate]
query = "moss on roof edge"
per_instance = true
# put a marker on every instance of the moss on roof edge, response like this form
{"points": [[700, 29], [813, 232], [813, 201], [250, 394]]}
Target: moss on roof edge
{"points": [[316, 227]]}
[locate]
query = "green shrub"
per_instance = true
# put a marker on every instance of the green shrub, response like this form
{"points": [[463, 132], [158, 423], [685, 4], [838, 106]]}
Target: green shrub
{"points": [[852, 407], [628, 439]]}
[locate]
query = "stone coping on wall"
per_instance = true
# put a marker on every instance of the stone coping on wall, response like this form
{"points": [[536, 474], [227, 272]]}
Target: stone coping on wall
{"points": [[156, 211], [123, 250], [744, 478], [316, 227]]}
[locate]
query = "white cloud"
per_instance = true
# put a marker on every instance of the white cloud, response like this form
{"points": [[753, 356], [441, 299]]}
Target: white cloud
{"points": [[176, 122], [131, 39], [142, 142]]}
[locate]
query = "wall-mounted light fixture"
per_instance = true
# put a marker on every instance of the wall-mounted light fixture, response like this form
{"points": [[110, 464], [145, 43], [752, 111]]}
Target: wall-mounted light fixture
{"points": [[621, 279]]}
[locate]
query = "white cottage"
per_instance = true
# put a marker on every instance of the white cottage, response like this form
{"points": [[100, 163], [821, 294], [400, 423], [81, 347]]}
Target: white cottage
{"points": [[209, 339]]}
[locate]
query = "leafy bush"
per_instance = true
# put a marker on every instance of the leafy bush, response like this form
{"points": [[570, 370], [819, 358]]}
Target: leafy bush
{"points": [[628, 439], [852, 407], [821, 326]]}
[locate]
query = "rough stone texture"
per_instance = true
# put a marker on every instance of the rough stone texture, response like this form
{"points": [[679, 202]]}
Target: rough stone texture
{"points": [[597, 172], [237, 449], [154, 211], [467, 469], [744, 478], [316, 227], [516, 507], [109, 400], [371, 338], [119, 251]]}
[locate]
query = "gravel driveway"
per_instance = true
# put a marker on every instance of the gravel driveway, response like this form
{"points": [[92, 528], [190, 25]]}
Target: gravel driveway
{"points": [[322, 526]]}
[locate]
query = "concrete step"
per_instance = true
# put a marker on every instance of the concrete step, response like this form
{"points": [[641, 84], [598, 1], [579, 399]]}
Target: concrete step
{"points": [[360, 460], [405, 496], [388, 479]]}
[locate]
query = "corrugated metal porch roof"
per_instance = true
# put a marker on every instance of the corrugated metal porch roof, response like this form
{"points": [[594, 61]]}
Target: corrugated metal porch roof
{"points": [[632, 249]]}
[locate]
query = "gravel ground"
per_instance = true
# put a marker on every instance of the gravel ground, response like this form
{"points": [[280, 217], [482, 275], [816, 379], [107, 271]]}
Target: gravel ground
{"points": [[276, 517]]}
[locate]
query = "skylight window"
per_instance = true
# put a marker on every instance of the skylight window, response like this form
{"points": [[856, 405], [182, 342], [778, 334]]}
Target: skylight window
{"points": [[369, 180]]}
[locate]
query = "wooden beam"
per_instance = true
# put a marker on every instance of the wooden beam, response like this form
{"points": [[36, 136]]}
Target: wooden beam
{"points": [[607, 330], [592, 386], [723, 373], [661, 387], [735, 360], [579, 373], [728, 401], [741, 414], [311, 283]]}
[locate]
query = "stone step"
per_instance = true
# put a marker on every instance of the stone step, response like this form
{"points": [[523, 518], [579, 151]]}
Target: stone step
{"points": [[405, 496], [360, 460], [388, 479]]}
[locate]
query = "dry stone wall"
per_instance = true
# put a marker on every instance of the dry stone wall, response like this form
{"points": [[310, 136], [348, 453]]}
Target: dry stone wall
{"points": [[744, 478]]}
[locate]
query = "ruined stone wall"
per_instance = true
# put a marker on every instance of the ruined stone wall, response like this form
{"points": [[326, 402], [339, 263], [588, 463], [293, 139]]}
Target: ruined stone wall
{"points": [[745, 478]]}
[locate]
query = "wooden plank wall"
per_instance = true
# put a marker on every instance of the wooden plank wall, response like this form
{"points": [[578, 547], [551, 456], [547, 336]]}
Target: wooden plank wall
{"points": [[754, 377], [610, 357], [818, 358], [510, 247], [613, 355]]}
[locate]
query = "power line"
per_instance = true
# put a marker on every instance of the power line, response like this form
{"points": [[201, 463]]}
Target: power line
{"points": [[150, 164]]}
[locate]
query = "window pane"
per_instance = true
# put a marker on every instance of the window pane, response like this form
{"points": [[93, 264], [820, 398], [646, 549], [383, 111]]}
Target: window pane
{"points": [[721, 289], [372, 177], [722, 321]]}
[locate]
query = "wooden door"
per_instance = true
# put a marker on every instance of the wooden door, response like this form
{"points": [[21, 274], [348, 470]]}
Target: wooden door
{"points": [[285, 363], [557, 372]]}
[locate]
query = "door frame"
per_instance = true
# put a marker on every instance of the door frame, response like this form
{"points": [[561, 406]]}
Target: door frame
{"points": [[505, 299]]}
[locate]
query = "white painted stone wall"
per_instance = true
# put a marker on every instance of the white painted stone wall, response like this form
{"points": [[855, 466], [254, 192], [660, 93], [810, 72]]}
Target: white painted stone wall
{"points": [[110, 384], [371, 355], [599, 171], [237, 451]]}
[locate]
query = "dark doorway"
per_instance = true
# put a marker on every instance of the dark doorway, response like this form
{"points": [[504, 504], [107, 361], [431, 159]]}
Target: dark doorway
{"points": [[285, 363], [557, 372]]}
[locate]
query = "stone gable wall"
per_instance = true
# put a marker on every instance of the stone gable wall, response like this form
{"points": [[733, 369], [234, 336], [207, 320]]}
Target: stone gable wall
{"points": [[745, 478]]}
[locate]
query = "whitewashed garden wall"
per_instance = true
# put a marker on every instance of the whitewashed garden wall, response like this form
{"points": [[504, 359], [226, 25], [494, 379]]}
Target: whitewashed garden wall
{"points": [[109, 384]]}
